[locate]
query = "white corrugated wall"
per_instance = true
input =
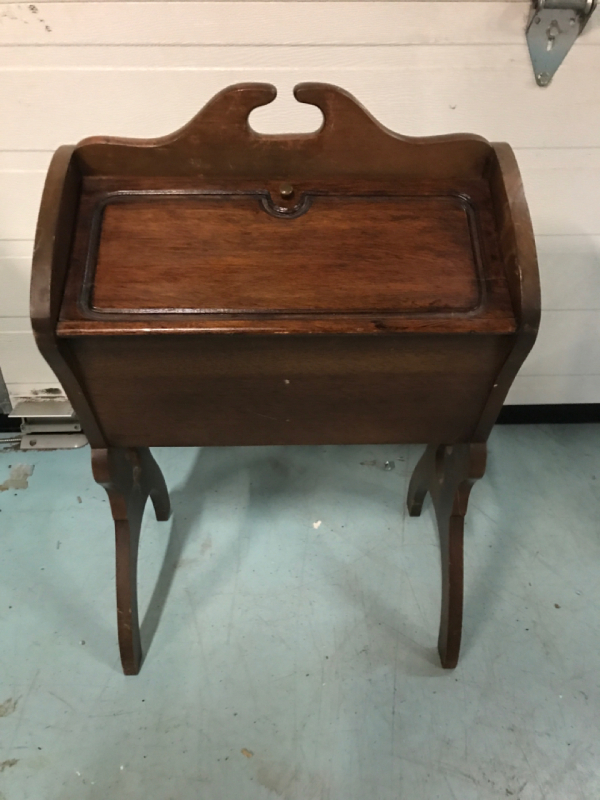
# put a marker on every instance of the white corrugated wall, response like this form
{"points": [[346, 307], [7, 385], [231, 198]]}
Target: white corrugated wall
{"points": [[74, 69]]}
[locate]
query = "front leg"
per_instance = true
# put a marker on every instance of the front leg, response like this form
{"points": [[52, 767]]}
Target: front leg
{"points": [[448, 473], [130, 476]]}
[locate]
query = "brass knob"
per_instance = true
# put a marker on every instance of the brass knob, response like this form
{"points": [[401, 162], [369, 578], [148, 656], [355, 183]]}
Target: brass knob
{"points": [[286, 190]]}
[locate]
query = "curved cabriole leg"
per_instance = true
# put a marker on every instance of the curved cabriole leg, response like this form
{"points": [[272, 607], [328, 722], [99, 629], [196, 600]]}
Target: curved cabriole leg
{"points": [[448, 473], [130, 476]]}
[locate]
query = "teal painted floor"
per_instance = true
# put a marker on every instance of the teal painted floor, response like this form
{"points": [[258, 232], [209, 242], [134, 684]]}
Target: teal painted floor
{"points": [[292, 608]]}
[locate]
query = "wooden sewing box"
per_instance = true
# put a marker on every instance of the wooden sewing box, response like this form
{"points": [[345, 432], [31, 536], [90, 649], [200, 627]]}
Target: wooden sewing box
{"points": [[217, 286]]}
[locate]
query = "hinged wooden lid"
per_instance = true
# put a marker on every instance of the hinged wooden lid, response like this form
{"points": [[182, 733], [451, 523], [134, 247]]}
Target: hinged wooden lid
{"points": [[351, 228]]}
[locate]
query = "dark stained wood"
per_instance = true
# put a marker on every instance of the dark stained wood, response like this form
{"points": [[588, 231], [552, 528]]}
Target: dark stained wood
{"points": [[130, 477], [230, 254], [372, 324], [219, 142], [53, 238], [232, 390], [217, 286], [519, 256], [448, 474], [482, 262]]}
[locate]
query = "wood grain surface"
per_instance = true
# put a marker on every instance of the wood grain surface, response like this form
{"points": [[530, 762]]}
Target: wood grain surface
{"points": [[205, 389], [342, 254], [146, 231]]}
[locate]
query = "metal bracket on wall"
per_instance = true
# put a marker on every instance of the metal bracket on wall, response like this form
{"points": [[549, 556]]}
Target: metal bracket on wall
{"points": [[48, 425], [552, 29]]}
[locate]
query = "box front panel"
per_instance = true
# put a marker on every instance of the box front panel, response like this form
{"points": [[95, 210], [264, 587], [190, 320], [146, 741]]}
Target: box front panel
{"points": [[250, 390]]}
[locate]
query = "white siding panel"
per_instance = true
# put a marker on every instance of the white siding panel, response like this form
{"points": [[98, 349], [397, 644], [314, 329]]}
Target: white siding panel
{"points": [[20, 194], [531, 390], [15, 271], [563, 189], [73, 69], [14, 280], [569, 272], [261, 23], [268, 23], [568, 344], [24, 160], [20, 360], [420, 90], [21, 248]]}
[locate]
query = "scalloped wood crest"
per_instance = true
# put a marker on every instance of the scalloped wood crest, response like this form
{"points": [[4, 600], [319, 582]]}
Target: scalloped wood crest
{"points": [[219, 143]]}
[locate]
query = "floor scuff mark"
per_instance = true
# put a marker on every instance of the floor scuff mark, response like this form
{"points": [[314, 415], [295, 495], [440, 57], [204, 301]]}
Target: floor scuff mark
{"points": [[8, 707], [18, 477]]}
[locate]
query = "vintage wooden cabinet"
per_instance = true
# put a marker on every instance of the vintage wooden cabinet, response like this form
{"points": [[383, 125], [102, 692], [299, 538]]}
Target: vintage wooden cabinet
{"points": [[221, 287]]}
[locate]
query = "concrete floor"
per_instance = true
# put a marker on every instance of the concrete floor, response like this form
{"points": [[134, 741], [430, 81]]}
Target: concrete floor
{"points": [[293, 611]]}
